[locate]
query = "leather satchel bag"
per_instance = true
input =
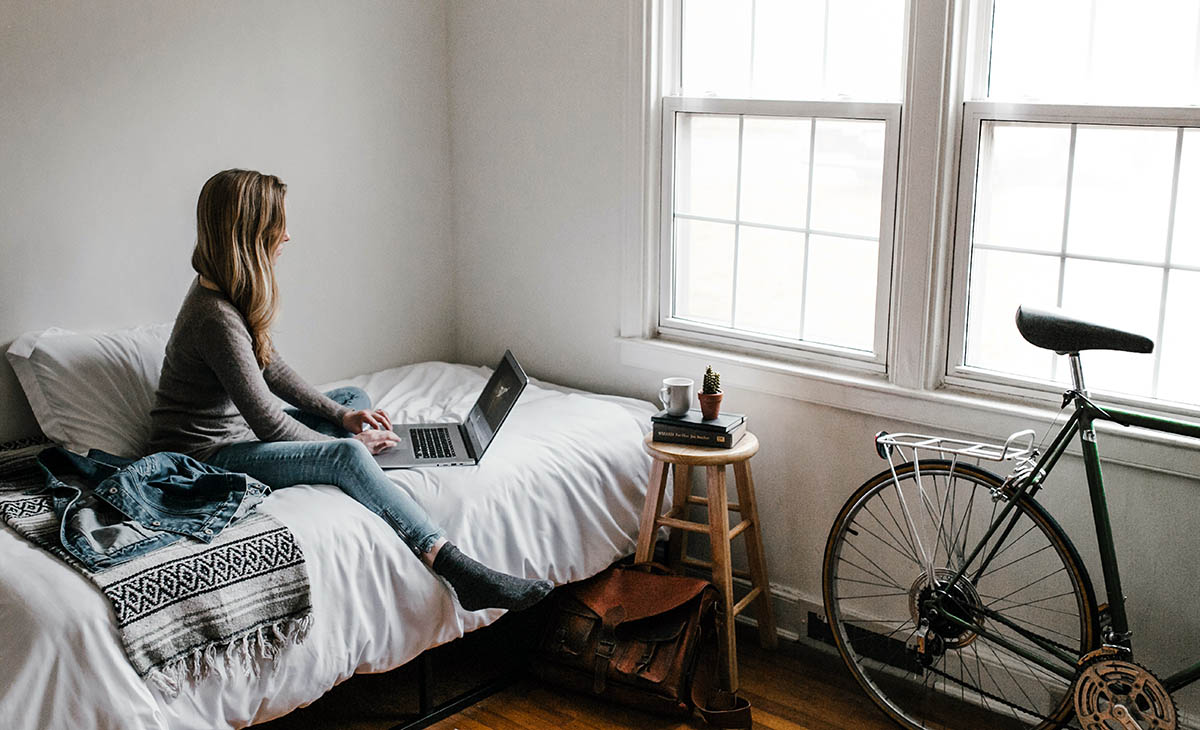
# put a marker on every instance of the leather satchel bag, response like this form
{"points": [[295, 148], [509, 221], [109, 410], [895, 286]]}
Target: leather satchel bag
{"points": [[643, 638]]}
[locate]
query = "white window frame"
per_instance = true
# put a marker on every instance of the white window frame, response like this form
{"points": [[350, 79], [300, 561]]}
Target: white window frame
{"points": [[958, 373], [914, 388], [683, 329], [669, 103]]}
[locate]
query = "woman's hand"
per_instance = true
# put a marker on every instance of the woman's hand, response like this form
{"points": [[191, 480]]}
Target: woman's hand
{"points": [[357, 421], [377, 440]]}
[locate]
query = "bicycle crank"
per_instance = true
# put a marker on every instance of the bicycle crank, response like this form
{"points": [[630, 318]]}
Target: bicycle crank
{"points": [[1117, 694]]}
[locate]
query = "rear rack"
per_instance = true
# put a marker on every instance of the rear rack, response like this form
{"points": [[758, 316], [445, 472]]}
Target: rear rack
{"points": [[1018, 446]]}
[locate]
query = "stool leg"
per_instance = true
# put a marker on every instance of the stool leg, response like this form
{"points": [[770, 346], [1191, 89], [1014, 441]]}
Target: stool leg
{"points": [[647, 530], [718, 525], [754, 554], [677, 546]]}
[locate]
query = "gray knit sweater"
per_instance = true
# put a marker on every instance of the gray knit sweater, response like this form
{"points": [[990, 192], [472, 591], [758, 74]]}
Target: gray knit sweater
{"points": [[212, 392]]}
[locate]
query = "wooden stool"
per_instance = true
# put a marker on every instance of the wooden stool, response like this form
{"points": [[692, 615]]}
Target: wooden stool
{"points": [[684, 457]]}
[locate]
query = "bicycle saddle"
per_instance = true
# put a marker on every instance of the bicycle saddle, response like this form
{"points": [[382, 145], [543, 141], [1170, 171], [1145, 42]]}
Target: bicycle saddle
{"points": [[1054, 330]]}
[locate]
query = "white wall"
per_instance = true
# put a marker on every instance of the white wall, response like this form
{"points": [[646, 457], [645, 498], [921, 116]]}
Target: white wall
{"points": [[539, 97], [537, 94], [114, 114]]}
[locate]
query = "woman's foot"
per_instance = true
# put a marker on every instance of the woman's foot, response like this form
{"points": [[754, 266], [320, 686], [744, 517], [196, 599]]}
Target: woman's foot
{"points": [[479, 587]]}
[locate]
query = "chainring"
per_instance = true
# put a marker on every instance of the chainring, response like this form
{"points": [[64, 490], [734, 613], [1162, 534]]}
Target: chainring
{"points": [[1118, 694]]}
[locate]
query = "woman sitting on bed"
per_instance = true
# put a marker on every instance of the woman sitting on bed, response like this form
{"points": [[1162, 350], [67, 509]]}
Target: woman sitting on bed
{"points": [[215, 402]]}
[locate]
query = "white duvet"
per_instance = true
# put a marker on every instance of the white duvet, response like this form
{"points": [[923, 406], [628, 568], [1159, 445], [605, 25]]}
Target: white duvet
{"points": [[557, 495]]}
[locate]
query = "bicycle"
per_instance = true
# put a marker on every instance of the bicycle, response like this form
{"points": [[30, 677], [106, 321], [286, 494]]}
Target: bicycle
{"points": [[952, 592]]}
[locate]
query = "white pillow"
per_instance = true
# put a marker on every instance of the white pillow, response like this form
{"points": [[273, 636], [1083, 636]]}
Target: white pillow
{"points": [[92, 390]]}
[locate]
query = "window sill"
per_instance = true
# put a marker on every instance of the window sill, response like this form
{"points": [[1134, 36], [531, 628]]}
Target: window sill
{"points": [[972, 415]]}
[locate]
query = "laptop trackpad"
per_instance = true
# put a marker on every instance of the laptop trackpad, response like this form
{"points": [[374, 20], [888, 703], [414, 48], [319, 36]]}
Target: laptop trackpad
{"points": [[399, 455]]}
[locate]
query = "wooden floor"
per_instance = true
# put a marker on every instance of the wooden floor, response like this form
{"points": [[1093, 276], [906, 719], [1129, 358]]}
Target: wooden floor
{"points": [[795, 688], [802, 689]]}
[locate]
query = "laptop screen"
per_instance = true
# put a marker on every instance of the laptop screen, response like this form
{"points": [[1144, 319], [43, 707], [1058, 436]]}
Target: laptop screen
{"points": [[497, 399]]}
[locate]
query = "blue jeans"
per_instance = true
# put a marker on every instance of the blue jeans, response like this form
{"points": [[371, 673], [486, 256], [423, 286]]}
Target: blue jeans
{"points": [[345, 462]]}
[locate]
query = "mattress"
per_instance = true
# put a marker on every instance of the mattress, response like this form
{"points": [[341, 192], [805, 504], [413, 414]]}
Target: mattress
{"points": [[557, 495]]}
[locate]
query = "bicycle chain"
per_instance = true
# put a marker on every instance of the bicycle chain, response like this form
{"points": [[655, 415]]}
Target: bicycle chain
{"points": [[991, 696]]}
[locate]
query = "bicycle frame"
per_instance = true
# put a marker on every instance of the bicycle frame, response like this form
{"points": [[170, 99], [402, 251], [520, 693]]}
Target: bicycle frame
{"points": [[1081, 422]]}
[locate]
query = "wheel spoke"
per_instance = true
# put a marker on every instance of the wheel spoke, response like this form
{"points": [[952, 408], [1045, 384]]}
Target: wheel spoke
{"points": [[906, 534], [1031, 584], [965, 525], [868, 582], [1014, 541], [890, 544], [1004, 665], [873, 595], [1014, 562], [1034, 603]]}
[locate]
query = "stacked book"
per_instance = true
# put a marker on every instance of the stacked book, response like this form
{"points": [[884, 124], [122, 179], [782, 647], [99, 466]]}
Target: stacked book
{"points": [[721, 432]]}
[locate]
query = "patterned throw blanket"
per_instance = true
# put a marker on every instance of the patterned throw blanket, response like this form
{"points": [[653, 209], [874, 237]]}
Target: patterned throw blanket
{"points": [[188, 609]]}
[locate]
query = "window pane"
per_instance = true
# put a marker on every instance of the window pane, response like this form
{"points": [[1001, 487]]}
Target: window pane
{"points": [[788, 57], [793, 49], [775, 161], [770, 274], [1180, 347], [1039, 50], [1185, 245], [847, 176], [715, 47], [863, 58], [704, 271], [1121, 192], [1122, 296], [1100, 52], [1000, 282], [1022, 185], [839, 301], [1144, 52], [706, 161]]}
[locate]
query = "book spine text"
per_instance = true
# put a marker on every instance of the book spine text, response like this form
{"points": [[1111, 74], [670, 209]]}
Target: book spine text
{"points": [[673, 435]]}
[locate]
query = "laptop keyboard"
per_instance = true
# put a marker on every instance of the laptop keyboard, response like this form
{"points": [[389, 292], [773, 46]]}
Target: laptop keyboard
{"points": [[432, 443]]}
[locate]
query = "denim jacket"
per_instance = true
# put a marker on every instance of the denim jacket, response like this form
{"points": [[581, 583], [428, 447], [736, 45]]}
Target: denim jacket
{"points": [[113, 510]]}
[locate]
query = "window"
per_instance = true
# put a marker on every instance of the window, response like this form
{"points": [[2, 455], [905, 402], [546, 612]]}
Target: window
{"points": [[781, 132], [985, 154], [1079, 171]]}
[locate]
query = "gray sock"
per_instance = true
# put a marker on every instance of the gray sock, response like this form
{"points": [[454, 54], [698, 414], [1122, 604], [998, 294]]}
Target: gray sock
{"points": [[479, 587]]}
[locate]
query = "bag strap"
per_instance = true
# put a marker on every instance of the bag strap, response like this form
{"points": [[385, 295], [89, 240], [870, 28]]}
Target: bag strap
{"points": [[719, 707], [606, 645]]}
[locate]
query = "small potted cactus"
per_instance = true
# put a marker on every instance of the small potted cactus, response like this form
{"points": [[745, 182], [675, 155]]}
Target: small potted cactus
{"points": [[710, 395]]}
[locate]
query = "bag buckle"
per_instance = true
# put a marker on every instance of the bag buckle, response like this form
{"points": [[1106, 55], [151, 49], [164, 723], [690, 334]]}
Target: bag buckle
{"points": [[647, 655], [605, 647]]}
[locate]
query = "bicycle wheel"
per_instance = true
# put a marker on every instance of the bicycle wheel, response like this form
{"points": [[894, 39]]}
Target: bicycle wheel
{"points": [[877, 594]]}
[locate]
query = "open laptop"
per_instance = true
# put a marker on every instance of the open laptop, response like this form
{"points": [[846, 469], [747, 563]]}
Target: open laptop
{"points": [[460, 444]]}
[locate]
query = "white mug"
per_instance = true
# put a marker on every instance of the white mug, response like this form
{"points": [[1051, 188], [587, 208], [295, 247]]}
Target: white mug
{"points": [[676, 395]]}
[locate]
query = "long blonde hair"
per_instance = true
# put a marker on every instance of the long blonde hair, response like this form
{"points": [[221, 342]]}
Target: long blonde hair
{"points": [[240, 222]]}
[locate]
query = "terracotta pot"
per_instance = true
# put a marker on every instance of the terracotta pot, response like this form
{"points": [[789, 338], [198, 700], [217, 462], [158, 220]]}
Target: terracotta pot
{"points": [[710, 405]]}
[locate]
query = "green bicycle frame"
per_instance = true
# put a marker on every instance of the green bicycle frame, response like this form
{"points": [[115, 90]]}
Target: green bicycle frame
{"points": [[1081, 422]]}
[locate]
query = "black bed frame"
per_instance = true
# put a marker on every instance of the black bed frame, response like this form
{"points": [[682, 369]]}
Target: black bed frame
{"points": [[512, 638]]}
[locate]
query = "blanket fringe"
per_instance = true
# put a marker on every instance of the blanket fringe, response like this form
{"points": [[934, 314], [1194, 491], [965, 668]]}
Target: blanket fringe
{"points": [[239, 655]]}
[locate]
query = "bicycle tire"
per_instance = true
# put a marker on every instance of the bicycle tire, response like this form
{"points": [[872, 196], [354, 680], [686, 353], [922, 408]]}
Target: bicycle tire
{"points": [[887, 669]]}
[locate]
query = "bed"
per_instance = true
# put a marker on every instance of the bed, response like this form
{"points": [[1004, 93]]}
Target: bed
{"points": [[557, 496]]}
